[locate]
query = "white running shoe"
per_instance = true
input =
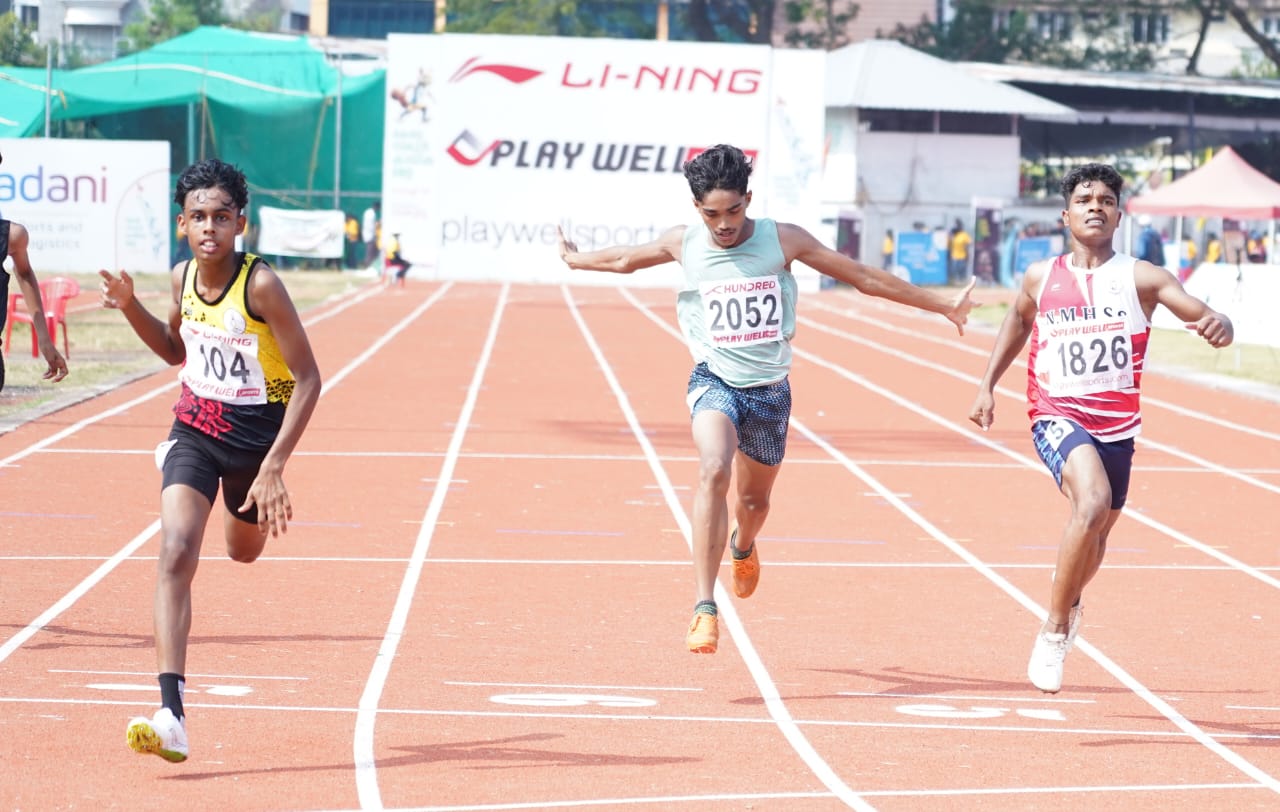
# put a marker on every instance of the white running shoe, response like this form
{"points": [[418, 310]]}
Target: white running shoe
{"points": [[163, 735], [1073, 624], [1045, 666]]}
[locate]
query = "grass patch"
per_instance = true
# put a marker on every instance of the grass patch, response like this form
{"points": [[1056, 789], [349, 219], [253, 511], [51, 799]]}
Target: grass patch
{"points": [[105, 352]]}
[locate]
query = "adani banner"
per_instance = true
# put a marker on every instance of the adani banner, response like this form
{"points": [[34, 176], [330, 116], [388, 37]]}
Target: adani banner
{"points": [[89, 204], [493, 142]]}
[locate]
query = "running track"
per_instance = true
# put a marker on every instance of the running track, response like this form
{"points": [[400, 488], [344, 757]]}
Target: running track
{"points": [[481, 602]]}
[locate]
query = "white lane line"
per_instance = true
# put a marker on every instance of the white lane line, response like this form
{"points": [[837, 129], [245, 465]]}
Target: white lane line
{"points": [[1164, 708], [92, 672], [77, 592], [143, 398], [572, 687], [728, 615], [366, 766], [1020, 364], [701, 801], [1161, 706], [64, 603], [1233, 473], [976, 436], [1269, 739]]}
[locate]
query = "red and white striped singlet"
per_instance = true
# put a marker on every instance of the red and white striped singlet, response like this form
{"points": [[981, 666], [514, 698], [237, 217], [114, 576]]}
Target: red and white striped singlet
{"points": [[1087, 348]]}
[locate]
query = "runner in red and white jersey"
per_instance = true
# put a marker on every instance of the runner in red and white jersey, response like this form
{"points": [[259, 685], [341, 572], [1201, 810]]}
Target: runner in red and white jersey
{"points": [[1087, 348], [1088, 315]]}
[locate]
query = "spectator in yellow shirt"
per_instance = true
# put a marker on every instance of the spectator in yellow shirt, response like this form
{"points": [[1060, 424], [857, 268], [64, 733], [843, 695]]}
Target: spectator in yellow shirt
{"points": [[1213, 249], [960, 243]]}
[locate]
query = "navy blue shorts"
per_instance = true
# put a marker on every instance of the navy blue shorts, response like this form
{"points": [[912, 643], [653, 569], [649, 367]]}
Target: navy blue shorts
{"points": [[1055, 440], [196, 460], [761, 414]]}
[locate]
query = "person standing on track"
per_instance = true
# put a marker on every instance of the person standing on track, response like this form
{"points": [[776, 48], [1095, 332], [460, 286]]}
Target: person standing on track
{"points": [[14, 239], [737, 312], [249, 386], [1088, 315]]}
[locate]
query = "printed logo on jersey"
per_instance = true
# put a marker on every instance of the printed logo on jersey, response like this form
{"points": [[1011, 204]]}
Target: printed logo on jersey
{"points": [[234, 322]]}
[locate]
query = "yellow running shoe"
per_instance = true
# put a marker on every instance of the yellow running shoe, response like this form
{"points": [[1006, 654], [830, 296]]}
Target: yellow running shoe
{"points": [[746, 571], [163, 735], [704, 633]]}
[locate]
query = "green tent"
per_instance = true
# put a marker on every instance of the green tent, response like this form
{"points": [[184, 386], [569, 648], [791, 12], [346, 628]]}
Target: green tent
{"points": [[22, 100], [272, 104]]}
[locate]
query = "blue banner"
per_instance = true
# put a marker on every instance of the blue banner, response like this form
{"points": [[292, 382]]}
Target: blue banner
{"points": [[1029, 250], [922, 257]]}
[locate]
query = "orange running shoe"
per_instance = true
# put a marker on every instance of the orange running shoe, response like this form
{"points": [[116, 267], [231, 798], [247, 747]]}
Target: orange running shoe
{"points": [[704, 633], [746, 571]]}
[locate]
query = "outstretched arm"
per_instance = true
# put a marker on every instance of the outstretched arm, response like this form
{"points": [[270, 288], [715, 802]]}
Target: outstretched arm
{"points": [[799, 244], [1157, 286], [19, 238], [623, 258], [1013, 334], [163, 338]]}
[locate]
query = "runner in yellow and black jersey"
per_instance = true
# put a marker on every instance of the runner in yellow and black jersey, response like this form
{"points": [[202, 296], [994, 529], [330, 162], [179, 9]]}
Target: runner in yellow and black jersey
{"points": [[249, 385]]}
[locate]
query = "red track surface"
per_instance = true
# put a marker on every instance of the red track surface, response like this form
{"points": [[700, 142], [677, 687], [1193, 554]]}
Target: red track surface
{"points": [[481, 602]]}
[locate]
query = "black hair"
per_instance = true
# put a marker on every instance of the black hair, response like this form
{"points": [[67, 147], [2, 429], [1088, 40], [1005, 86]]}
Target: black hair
{"points": [[211, 173], [1090, 172], [719, 167]]}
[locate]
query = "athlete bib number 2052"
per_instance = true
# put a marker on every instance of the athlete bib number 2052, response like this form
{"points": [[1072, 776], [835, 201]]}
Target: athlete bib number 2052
{"points": [[741, 312], [1100, 361]]}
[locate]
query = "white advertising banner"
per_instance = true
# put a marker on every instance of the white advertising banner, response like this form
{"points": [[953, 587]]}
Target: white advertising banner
{"points": [[315, 233], [89, 204], [492, 142]]}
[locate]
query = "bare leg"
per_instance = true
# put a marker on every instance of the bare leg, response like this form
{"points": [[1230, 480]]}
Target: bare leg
{"points": [[1084, 540], [184, 512], [716, 440], [755, 484], [244, 540]]}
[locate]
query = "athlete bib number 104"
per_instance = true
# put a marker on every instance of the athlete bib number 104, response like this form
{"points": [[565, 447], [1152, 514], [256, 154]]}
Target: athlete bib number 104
{"points": [[741, 312], [223, 367], [1099, 362]]}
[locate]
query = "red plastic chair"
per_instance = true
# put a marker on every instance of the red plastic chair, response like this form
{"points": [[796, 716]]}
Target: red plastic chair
{"points": [[54, 295]]}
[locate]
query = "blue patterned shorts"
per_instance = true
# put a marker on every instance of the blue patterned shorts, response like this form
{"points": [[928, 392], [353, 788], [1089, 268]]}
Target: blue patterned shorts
{"points": [[1056, 439], [761, 414]]}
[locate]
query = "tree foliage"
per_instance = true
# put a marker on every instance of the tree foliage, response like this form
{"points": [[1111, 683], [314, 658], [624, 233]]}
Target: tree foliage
{"points": [[1090, 34], [166, 19], [820, 24], [18, 45], [546, 18]]}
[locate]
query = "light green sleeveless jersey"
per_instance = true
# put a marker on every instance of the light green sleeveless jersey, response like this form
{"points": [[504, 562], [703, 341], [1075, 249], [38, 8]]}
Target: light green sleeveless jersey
{"points": [[737, 309]]}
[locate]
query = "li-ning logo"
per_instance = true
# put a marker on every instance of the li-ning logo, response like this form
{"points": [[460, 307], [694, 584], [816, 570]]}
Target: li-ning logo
{"points": [[645, 77], [512, 73]]}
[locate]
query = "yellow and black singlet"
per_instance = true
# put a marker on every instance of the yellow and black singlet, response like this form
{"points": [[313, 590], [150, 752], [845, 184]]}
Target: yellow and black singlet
{"points": [[235, 383]]}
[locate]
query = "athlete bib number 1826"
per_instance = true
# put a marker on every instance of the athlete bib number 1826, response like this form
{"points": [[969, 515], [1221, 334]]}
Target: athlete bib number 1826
{"points": [[741, 312], [1097, 361]]}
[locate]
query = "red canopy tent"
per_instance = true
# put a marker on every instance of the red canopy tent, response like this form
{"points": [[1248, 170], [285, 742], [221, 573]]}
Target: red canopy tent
{"points": [[1226, 186]]}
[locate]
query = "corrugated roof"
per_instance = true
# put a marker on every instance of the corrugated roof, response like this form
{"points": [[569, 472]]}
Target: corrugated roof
{"points": [[887, 75], [1152, 81]]}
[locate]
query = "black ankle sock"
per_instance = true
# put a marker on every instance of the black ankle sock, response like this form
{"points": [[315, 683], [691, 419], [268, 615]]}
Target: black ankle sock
{"points": [[741, 555], [706, 607], [171, 689]]}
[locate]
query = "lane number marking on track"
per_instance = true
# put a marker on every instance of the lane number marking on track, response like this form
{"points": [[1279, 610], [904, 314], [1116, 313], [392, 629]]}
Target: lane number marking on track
{"points": [[572, 700], [975, 712]]}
